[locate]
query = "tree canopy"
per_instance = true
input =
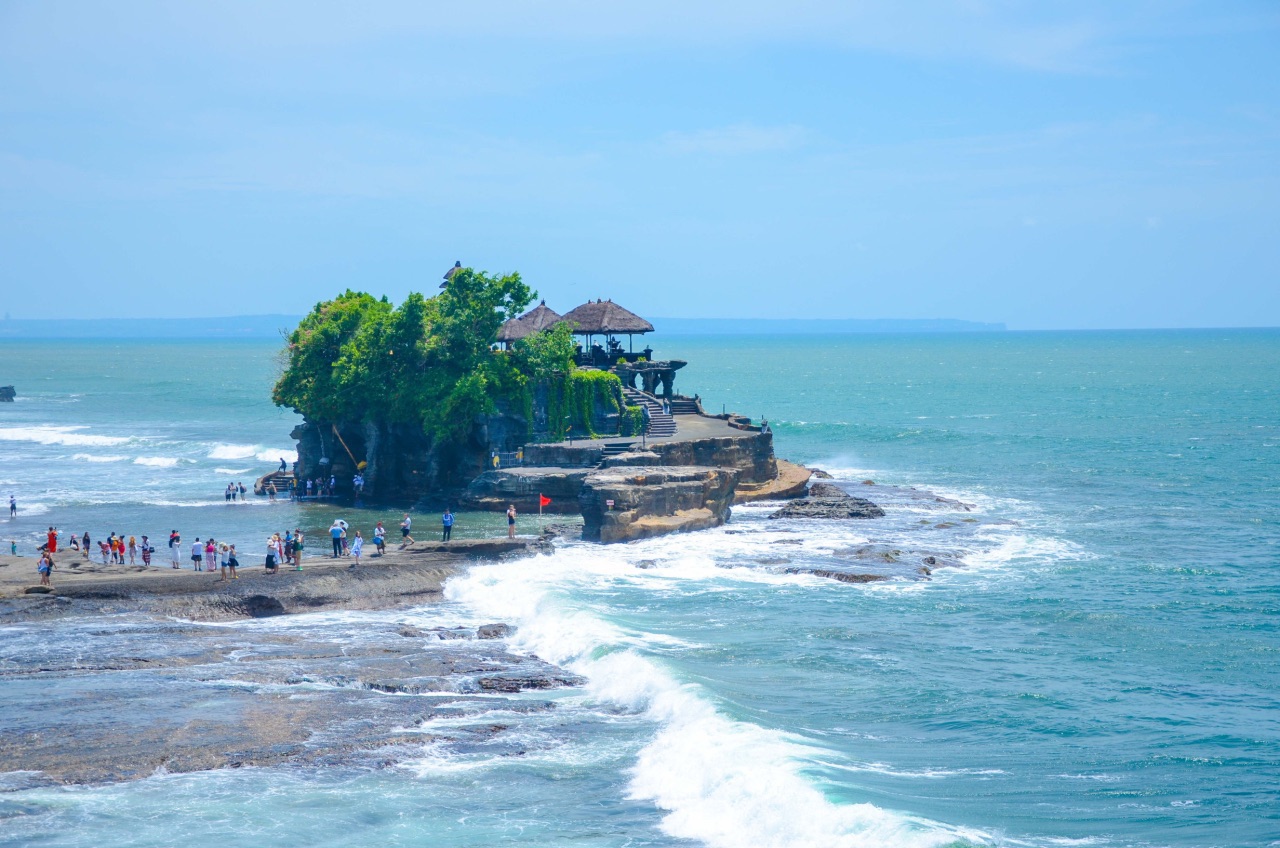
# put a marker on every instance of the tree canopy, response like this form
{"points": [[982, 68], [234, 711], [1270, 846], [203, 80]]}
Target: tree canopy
{"points": [[428, 360]]}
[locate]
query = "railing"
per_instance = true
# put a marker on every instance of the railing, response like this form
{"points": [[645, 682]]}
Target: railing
{"points": [[506, 459]]}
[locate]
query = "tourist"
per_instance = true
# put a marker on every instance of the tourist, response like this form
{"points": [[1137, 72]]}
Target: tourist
{"points": [[13, 507], [53, 541], [308, 488], [279, 549], [335, 532], [105, 550], [271, 555], [284, 466], [226, 493], [297, 548], [175, 544], [210, 555], [133, 549], [345, 549], [405, 527], [271, 491], [511, 521], [75, 543], [233, 563], [84, 545], [45, 567], [288, 547], [447, 521], [114, 542], [333, 484], [147, 551], [356, 547], [197, 555], [380, 539], [243, 491], [224, 552]]}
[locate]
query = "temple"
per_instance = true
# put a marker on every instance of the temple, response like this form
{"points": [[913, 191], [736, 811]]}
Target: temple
{"points": [[600, 324]]}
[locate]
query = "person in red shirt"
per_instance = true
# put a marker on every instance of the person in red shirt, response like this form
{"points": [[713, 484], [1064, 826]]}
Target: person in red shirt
{"points": [[53, 541]]}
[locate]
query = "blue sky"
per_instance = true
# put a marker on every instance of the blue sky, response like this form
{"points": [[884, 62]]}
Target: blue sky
{"points": [[1049, 165]]}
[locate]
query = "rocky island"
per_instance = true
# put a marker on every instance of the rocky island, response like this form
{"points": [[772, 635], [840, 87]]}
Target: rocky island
{"points": [[465, 398]]}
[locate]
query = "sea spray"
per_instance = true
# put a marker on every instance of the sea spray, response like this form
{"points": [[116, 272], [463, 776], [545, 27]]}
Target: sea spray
{"points": [[727, 783]]}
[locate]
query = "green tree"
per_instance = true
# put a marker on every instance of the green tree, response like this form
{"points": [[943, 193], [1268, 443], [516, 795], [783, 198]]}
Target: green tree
{"points": [[429, 360], [546, 353]]}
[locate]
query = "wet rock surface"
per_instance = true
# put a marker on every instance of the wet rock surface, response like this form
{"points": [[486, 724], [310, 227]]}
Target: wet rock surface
{"points": [[828, 501], [120, 701]]}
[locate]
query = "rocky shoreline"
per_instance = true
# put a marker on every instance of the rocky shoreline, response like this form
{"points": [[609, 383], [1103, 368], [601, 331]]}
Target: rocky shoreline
{"points": [[398, 579]]}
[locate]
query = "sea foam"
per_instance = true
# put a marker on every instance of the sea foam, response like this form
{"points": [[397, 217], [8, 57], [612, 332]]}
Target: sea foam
{"points": [[157, 461], [726, 783], [50, 435]]}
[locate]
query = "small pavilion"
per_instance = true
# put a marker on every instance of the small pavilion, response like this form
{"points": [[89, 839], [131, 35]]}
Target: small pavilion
{"points": [[608, 319], [540, 318]]}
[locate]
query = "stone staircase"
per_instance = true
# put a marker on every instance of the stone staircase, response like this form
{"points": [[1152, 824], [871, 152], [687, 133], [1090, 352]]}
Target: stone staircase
{"points": [[683, 406], [660, 423]]}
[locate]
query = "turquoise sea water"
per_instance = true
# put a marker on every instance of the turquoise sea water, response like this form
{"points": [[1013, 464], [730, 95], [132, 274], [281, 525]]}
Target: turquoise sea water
{"points": [[1100, 668]]}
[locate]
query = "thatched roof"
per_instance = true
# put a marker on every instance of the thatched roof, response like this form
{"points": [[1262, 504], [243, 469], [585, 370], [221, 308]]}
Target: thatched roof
{"points": [[448, 275], [534, 321], [603, 317]]}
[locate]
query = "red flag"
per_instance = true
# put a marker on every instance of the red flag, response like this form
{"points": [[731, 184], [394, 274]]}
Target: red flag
{"points": [[543, 500]]}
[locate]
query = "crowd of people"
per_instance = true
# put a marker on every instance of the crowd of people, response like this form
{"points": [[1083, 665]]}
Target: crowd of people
{"points": [[211, 555]]}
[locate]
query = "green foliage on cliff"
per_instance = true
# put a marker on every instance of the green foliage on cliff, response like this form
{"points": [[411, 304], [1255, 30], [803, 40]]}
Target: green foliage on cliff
{"points": [[429, 361], [546, 353], [572, 399], [632, 423]]}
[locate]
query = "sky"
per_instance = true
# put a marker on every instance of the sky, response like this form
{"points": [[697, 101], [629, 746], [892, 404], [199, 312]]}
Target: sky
{"points": [[1050, 165]]}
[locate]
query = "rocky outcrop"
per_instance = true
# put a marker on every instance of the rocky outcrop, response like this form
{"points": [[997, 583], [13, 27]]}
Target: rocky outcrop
{"points": [[7, 394], [495, 490], [654, 501], [831, 502], [751, 456], [790, 483]]}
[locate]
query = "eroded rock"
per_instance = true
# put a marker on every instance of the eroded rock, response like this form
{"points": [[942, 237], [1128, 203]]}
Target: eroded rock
{"points": [[624, 504]]}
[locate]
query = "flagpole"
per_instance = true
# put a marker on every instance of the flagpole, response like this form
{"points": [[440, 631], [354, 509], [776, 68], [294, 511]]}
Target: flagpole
{"points": [[539, 504]]}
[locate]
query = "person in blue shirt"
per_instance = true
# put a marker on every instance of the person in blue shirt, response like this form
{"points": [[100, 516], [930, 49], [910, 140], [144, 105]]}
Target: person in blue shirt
{"points": [[336, 533], [447, 521]]}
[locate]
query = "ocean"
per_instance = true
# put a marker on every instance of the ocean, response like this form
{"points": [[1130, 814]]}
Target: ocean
{"points": [[1093, 659]]}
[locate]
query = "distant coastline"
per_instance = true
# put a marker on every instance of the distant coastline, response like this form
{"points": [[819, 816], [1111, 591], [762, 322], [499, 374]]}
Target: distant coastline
{"points": [[275, 326]]}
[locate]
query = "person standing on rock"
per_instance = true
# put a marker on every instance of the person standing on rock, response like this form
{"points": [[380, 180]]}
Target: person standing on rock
{"points": [[84, 545], [380, 540], [147, 550], [175, 545], [335, 533], [447, 521], [357, 546], [53, 541], [511, 521], [224, 551], [45, 567], [405, 526], [297, 548], [13, 507], [233, 563], [197, 555]]}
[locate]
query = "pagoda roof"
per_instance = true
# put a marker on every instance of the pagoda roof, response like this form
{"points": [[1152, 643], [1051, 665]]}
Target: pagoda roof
{"points": [[540, 318], [604, 317]]}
